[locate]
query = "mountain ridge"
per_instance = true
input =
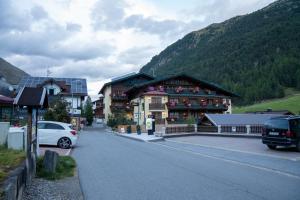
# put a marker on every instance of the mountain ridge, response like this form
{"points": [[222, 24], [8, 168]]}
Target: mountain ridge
{"points": [[254, 55], [11, 73]]}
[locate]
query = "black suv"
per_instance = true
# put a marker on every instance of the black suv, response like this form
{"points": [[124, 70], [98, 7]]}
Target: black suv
{"points": [[282, 131]]}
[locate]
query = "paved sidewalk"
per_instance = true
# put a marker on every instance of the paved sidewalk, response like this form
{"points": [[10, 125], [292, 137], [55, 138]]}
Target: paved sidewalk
{"points": [[64, 189], [144, 137]]}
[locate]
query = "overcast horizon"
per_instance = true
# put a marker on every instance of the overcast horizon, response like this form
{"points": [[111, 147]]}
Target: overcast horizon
{"points": [[101, 39]]}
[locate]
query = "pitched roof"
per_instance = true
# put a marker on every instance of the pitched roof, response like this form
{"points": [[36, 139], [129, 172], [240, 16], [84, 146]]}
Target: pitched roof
{"points": [[77, 85], [213, 85], [239, 119], [32, 97], [6, 100], [123, 78]]}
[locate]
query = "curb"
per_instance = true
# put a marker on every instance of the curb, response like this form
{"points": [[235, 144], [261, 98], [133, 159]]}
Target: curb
{"points": [[138, 139], [212, 134]]}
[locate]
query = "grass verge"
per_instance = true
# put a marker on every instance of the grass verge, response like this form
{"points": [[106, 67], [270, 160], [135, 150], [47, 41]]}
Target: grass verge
{"points": [[65, 168], [9, 160], [290, 103]]}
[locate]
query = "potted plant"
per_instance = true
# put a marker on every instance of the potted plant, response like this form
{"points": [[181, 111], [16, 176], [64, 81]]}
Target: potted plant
{"points": [[138, 129]]}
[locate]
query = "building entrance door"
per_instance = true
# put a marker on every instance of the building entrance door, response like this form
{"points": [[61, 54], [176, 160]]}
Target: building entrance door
{"points": [[158, 117]]}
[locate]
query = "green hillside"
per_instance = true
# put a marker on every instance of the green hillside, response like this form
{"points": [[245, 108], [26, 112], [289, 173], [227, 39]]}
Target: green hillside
{"points": [[254, 55], [12, 74], [291, 103]]}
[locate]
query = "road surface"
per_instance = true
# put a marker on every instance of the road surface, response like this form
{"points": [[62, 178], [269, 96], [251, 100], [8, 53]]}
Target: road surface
{"points": [[112, 167]]}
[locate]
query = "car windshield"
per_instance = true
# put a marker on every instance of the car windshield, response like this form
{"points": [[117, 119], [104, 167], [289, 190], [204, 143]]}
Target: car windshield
{"points": [[277, 123]]}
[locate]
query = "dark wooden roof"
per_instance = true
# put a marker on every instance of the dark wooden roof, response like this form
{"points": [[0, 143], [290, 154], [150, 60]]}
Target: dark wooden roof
{"points": [[32, 97], [182, 75], [131, 76]]}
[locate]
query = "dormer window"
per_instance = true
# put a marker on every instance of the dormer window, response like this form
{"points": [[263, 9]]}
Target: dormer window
{"points": [[51, 91]]}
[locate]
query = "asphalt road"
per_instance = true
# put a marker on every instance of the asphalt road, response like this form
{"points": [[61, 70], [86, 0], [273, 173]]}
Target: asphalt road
{"points": [[113, 167]]}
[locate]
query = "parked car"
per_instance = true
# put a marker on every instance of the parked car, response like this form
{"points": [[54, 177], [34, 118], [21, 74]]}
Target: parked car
{"points": [[57, 133], [282, 131]]}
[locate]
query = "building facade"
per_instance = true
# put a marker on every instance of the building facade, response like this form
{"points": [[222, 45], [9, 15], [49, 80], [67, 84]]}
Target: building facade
{"points": [[72, 90], [177, 99], [115, 99], [98, 108]]}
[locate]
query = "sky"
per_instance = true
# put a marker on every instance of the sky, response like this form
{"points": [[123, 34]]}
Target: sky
{"points": [[102, 39]]}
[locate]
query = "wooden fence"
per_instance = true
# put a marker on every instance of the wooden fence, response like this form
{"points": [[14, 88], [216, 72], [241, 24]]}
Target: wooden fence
{"points": [[180, 129]]}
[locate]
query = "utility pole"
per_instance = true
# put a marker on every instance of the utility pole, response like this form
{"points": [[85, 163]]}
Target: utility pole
{"points": [[48, 72]]}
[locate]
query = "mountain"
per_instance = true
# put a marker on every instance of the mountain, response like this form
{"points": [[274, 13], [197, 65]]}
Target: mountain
{"points": [[254, 55], [10, 73]]}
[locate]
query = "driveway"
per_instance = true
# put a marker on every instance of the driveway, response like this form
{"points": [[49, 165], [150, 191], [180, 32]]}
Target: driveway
{"points": [[236, 144], [113, 167]]}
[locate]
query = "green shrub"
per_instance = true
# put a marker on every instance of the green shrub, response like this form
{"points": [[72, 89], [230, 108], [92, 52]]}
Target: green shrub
{"points": [[65, 168]]}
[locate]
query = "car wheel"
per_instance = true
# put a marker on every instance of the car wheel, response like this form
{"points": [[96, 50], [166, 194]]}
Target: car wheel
{"points": [[271, 146], [64, 143]]}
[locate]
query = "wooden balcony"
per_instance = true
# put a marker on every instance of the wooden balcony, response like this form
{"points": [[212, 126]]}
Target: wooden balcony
{"points": [[120, 107], [118, 97], [155, 106], [181, 106]]}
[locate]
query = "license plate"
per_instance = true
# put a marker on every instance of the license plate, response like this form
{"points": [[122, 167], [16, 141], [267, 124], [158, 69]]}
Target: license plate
{"points": [[273, 133]]}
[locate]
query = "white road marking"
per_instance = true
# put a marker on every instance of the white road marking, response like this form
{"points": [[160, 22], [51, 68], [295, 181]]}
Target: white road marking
{"points": [[231, 161], [235, 150]]}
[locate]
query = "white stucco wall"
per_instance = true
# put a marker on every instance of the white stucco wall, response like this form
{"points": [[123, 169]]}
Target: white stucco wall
{"points": [[145, 112], [55, 87], [229, 110], [107, 103]]}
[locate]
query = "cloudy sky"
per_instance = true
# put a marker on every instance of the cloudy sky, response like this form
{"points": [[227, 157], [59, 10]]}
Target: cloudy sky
{"points": [[100, 39]]}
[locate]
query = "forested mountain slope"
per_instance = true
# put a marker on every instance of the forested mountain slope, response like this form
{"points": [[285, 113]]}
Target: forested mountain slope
{"points": [[255, 55]]}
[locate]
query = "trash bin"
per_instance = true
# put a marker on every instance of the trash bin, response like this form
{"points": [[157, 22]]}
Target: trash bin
{"points": [[16, 139]]}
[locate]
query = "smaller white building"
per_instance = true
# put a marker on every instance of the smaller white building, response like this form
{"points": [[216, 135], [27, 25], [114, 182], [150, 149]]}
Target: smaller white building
{"points": [[73, 90]]}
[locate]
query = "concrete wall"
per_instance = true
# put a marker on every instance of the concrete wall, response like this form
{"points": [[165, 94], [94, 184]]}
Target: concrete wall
{"points": [[107, 103], [4, 127], [15, 184]]}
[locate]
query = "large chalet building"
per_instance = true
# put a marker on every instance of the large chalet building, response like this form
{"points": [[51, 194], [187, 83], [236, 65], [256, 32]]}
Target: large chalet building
{"points": [[175, 99], [115, 97], [171, 99]]}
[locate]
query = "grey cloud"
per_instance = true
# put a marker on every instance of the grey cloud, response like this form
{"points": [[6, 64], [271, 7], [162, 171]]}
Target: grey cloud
{"points": [[108, 14], [73, 27], [213, 11], [92, 69], [38, 13], [50, 42], [151, 25], [137, 55], [12, 19]]}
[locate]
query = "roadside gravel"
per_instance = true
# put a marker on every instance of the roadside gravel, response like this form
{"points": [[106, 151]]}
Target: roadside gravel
{"points": [[65, 189]]}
